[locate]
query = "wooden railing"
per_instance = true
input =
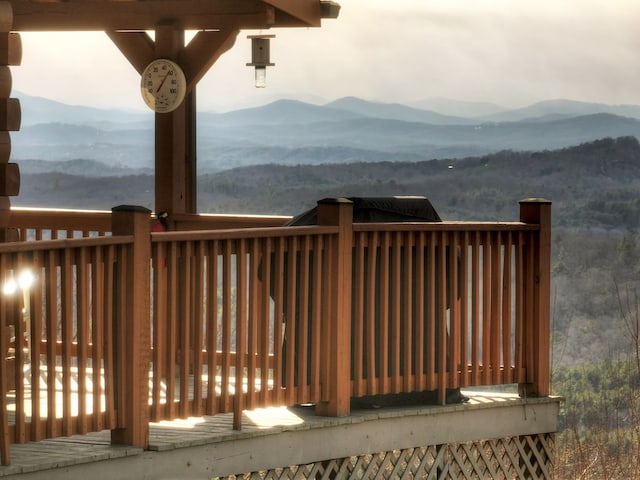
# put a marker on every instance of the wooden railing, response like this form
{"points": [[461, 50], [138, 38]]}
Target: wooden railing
{"points": [[437, 309], [54, 224], [57, 337], [231, 319], [236, 289]]}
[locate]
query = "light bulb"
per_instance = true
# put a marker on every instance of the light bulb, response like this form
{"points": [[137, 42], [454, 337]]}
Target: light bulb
{"points": [[25, 279]]}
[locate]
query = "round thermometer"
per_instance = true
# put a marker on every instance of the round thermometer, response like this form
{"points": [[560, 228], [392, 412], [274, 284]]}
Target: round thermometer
{"points": [[163, 85]]}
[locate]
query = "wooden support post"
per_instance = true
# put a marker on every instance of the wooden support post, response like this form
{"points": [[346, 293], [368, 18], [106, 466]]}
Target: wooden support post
{"points": [[175, 132], [175, 165], [132, 331], [10, 54], [537, 302], [337, 322]]}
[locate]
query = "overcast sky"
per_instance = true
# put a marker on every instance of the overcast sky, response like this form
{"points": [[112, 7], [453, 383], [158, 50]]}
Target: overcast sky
{"points": [[509, 52]]}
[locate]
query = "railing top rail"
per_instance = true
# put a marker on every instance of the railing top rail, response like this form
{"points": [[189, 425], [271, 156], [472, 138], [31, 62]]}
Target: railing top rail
{"points": [[205, 221], [445, 226], [14, 247], [207, 216], [22, 217], [100, 220], [243, 233]]}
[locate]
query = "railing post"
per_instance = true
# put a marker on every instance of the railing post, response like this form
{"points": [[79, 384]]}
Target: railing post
{"points": [[337, 339], [132, 329], [537, 305]]}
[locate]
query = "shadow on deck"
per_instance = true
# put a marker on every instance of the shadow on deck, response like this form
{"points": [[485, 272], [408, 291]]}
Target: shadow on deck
{"points": [[491, 436]]}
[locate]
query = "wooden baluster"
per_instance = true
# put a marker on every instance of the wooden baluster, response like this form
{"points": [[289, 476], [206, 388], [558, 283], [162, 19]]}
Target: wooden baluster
{"points": [[212, 327], [241, 332], [316, 315], [373, 356], [302, 298], [358, 332], [225, 397], [184, 327], [197, 295], [507, 302], [420, 312]]}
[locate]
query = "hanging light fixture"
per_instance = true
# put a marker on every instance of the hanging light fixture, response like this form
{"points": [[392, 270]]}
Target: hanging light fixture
{"points": [[260, 57]]}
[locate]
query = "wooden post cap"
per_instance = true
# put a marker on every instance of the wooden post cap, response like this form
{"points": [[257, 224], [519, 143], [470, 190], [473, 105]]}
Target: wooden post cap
{"points": [[534, 200], [130, 208], [333, 201]]}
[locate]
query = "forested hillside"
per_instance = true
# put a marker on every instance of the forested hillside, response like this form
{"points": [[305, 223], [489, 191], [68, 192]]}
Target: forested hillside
{"points": [[593, 185]]}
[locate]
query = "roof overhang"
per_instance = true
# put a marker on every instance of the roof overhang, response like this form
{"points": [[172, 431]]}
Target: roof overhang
{"points": [[140, 15]]}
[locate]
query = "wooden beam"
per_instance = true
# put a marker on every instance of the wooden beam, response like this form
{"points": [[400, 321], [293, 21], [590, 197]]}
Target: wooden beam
{"points": [[203, 51], [305, 11], [195, 59], [81, 15], [137, 47]]}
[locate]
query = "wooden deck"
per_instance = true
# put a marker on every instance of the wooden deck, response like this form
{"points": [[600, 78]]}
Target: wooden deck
{"points": [[99, 357], [195, 447]]}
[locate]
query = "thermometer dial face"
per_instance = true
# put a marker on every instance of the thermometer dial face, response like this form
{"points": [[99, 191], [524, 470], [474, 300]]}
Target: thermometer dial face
{"points": [[163, 85]]}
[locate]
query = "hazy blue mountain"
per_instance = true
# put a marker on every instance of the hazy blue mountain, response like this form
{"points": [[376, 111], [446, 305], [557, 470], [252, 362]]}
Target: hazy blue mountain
{"points": [[372, 139], [37, 110], [292, 132], [53, 134], [281, 112], [79, 167], [458, 108], [395, 111], [65, 141], [393, 135], [563, 108]]}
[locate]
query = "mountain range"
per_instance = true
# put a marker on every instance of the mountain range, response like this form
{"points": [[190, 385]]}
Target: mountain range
{"points": [[291, 132]]}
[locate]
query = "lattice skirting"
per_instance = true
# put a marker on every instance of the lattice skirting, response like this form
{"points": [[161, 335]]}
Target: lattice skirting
{"points": [[527, 457]]}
